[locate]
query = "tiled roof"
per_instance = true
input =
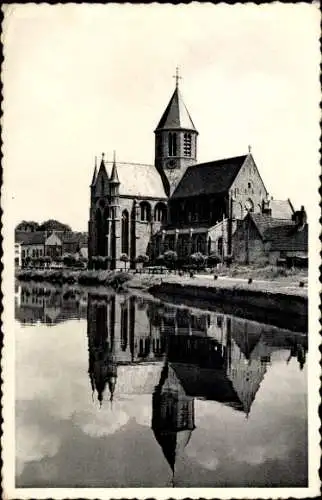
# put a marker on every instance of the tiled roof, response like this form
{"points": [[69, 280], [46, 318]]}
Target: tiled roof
{"points": [[39, 237], [176, 115], [264, 222], [73, 237], [30, 238], [209, 178], [281, 209], [138, 180], [288, 238]]}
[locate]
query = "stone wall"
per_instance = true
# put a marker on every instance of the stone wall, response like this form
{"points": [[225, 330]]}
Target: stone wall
{"points": [[248, 246], [242, 191]]}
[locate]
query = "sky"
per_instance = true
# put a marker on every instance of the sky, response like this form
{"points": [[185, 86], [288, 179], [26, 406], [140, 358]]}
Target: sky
{"points": [[84, 79]]}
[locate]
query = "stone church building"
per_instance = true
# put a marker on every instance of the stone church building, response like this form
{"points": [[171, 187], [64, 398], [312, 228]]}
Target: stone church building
{"points": [[177, 203]]}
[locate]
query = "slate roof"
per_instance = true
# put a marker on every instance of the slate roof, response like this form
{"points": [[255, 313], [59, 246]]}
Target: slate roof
{"points": [[214, 177], [281, 209], [39, 237], [264, 222], [138, 180], [176, 115], [288, 238], [30, 238], [282, 234]]}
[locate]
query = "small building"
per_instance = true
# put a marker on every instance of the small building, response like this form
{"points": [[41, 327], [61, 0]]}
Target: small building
{"points": [[53, 246], [32, 244], [260, 238]]}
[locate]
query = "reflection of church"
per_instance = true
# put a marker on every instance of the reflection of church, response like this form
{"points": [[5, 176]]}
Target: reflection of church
{"points": [[183, 355], [172, 415], [213, 356], [119, 333]]}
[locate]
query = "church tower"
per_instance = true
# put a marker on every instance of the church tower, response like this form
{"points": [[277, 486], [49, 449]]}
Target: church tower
{"points": [[175, 141]]}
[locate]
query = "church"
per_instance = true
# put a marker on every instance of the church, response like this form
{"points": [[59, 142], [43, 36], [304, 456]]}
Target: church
{"points": [[138, 212]]}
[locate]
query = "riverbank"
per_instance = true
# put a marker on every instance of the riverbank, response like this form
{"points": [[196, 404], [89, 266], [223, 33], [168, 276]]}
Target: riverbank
{"points": [[109, 279], [279, 303], [282, 302]]}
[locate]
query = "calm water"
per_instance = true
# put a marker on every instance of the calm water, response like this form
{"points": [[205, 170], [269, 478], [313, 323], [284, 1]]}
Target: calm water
{"points": [[125, 391]]}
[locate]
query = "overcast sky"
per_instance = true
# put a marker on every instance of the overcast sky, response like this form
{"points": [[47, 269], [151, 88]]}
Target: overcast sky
{"points": [[82, 79]]}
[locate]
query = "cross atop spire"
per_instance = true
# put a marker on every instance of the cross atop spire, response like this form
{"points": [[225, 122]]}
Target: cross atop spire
{"points": [[177, 77]]}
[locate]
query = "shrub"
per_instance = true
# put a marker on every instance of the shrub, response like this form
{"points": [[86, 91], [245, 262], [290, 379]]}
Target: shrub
{"points": [[144, 259], [160, 259], [198, 259], [170, 258], [124, 258], [214, 259]]}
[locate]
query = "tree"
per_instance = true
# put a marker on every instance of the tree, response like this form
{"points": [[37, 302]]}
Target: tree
{"points": [[27, 225], [214, 259], [54, 225], [124, 258], [160, 258], [142, 259], [69, 259], [198, 259], [170, 258]]}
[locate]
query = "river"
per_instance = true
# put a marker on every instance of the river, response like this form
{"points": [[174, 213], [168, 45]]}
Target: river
{"points": [[118, 390]]}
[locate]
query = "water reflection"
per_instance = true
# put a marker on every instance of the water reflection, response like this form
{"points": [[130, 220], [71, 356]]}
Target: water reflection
{"points": [[198, 355]]}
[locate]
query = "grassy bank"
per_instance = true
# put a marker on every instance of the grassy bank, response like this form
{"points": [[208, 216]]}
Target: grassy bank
{"points": [[271, 273], [112, 279]]}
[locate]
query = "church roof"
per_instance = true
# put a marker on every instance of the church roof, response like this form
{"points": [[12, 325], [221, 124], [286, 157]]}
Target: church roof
{"points": [[176, 115], [214, 177], [281, 209], [138, 180]]}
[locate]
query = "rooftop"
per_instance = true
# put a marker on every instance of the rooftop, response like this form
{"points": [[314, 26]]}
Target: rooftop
{"points": [[176, 115], [214, 177], [137, 179]]}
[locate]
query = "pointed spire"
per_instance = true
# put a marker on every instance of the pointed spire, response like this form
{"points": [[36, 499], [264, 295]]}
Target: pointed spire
{"points": [[176, 116], [114, 175], [95, 172], [249, 149], [102, 165]]}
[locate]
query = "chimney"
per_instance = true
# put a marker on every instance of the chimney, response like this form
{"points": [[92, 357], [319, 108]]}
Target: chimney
{"points": [[300, 217]]}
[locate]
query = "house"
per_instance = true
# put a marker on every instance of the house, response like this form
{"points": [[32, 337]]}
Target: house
{"points": [[263, 239], [32, 244]]}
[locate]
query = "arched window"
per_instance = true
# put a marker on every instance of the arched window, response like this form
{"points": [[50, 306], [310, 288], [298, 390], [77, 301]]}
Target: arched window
{"points": [[125, 232], [101, 243], [160, 212], [249, 205], [241, 211], [172, 144], [145, 211], [124, 326], [220, 246], [159, 146], [187, 144], [199, 244], [209, 246], [102, 186]]}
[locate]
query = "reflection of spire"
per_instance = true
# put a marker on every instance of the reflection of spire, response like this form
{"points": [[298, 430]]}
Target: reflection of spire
{"points": [[102, 359], [172, 416]]}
